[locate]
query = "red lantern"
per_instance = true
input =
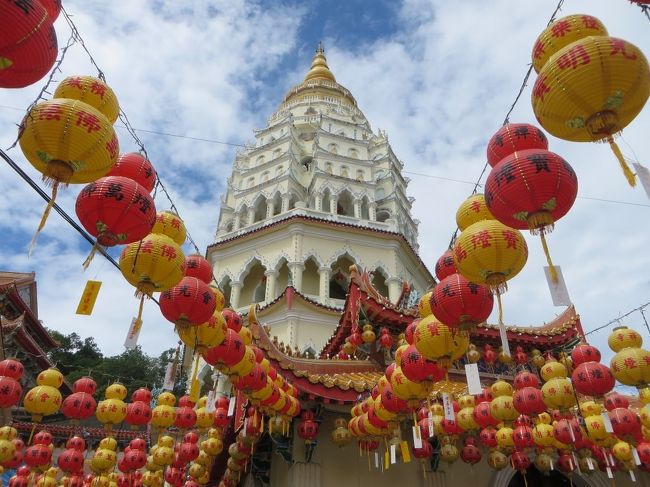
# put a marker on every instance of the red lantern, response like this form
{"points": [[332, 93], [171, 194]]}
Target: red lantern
{"points": [[229, 352], [253, 381], [85, 384], [643, 449], [71, 461], [525, 379], [17, 457], [76, 443], [11, 368], [424, 452], [355, 337], [190, 302], [521, 358], [174, 476], [567, 431], [116, 210], [457, 302], [484, 396], [523, 437], [616, 400], [134, 166], [185, 417], [199, 267], [134, 459], [584, 353], [28, 44], [482, 415], [78, 406], [416, 368], [410, 330], [520, 461], [451, 427], [43, 437], [489, 355], [470, 454], [307, 427], [514, 137], [10, 392], [391, 402], [592, 379], [233, 320], [368, 445], [138, 413], [445, 265], [565, 462], [188, 452], [37, 456], [488, 437], [385, 339], [625, 423], [529, 401], [143, 394], [221, 417]]}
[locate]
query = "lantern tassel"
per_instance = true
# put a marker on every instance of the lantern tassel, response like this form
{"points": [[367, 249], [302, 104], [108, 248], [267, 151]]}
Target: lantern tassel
{"points": [[629, 175], [46, 214], [551, 268], [138, 320], [92, 253], [194, 383], [502, 328]]}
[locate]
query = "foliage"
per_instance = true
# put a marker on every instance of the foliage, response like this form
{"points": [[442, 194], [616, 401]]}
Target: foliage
{"points": [[76, 357]]}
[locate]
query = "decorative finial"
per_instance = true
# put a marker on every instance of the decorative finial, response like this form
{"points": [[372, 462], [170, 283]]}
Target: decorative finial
{"points": [[319, 68], [320, 49]]}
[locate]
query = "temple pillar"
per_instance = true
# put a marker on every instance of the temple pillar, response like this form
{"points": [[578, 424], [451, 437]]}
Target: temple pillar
{"points": [[333, 204], [237, 223], [372, 212], [324, 293], [271, 281], [285, 202], [235, 290], [296, 269], [270, 208], [357, 208], [394, 288], [318, 202], [251, 216]]}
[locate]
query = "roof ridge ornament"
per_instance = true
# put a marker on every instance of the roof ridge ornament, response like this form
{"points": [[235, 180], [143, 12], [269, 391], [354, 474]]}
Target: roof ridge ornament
{"points": [[319, 68]]}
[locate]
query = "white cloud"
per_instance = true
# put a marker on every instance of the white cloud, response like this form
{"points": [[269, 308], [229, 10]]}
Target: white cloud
{"points": [[440, 86]]}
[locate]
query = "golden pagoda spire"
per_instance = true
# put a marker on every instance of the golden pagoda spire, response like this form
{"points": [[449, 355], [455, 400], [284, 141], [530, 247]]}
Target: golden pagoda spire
{"points": [[319, 68]]}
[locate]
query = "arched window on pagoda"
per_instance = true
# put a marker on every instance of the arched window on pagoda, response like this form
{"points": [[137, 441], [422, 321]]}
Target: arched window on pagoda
{"points": [[383, 214], [325, 205], [277, 204], [333, 148], [277, 153], [345, 204], [379, 277], [278, 171], [353, 153], [254, 284], [365, 208], [226, 289], [283, 277], [260, 209], [345, 173], [265, 177], [259, 161], [311, 278], [340, 276], [328, 167]]}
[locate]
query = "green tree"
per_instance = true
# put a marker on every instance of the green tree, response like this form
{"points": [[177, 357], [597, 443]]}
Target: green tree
{"points": [[75, 357]]}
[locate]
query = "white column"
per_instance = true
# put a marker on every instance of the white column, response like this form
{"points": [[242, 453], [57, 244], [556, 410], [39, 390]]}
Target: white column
{"points": [[271, 281], [235, 290], [357, 208], [285, 202], [333, 201], [237, 223], [251, 216], [270, 208], [296, 269], [394, 288], [324, 273], [372, 211], [319, 202]]}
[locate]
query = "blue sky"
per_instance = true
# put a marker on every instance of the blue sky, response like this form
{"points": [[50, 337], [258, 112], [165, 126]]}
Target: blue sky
{"points": [[438, 76]]}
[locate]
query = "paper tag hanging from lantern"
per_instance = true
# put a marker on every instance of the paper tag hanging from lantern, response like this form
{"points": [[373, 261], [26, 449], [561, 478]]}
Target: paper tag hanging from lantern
{"points": [[210, 405], [430, 424], [644, 176], [132, 336], [231, 406], [417, 437], [88, 297], [473, 379], [632, 475], [557, 287], [635, 455], [504, 339], [607, 422], [376, 460], [393, 454], [448, 407], [406, 455]]}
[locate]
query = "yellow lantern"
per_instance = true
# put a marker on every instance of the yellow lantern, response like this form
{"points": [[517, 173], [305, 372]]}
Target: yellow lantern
{"points": [[48, 479], [103, 460], [212, 446], [166, 399], [152, 479], [246, 335], [399, 352], [169, 224], [543, 435], [204, 336], [501, 388], [92, 91], [596, 427], [631, 364], [473, 355], [163, 456], [8, 433], [108, 443], [449, 453], [488, 252], [505, 438], [196, 470], [383, 413], [154, 264], [68, 142], [644, 415], [503, 409], [100, 481], [466, 401], [591, 89], [590, 408], [497, 460], [244, 366], [368, 336], [557, 393], [644, 395], [562, 33], [424, 305], [404, 388], [552, 369], [435, 341], [465, 419], [622, 451], [110, 412], [472, 210], [218, 297], [7, 450], [45, 398], [543, 463], [116, 391], [163, 415], [340, 435]]}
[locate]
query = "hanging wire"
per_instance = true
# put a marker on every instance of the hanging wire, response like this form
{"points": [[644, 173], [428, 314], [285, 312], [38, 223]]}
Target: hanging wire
{"points": [[506, 120], [619, 318]]}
